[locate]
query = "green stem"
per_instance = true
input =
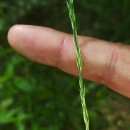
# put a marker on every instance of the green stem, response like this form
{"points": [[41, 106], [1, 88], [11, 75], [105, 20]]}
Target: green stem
{"points": [[70, 6]]}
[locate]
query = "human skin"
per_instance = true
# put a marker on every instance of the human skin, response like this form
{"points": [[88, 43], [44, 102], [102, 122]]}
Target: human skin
{"points": [[104, 62]]}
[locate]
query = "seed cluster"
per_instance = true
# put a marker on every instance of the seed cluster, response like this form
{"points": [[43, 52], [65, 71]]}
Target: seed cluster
{"points": [[72, 16]]}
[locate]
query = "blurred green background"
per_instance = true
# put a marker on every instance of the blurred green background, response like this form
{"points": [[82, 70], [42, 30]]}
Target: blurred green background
{"points": [[38, 97]]}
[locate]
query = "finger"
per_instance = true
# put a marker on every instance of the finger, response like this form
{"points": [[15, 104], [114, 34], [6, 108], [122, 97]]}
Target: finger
{"points": [[103, 61]]}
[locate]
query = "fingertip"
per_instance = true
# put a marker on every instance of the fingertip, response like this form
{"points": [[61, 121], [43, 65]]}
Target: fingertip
{"points": [[39, 44], [13, 34]]}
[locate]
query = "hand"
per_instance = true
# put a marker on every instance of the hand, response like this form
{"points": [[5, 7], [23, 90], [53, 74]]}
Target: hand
{"points": [[103, 62]]}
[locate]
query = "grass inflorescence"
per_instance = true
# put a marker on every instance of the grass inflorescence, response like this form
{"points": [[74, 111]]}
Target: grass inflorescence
{"points": [[72, 16]]}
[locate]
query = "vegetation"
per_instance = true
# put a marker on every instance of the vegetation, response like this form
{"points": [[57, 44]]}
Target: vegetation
{"points": [[82, 86], [32, 96]]}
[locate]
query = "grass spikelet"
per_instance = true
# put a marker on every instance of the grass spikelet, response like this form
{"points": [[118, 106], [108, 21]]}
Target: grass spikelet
{"points": [[72, 16]]}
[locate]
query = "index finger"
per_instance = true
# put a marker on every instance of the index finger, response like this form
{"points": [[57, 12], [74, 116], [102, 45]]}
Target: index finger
{"points": [[103, 61]]}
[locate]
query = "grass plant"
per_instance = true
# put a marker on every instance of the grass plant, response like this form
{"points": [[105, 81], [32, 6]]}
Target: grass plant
{"points": [[72, 16]]}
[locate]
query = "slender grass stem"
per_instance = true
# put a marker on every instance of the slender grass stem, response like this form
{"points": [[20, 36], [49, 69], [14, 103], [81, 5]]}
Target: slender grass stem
{"points": [[72, 16]]}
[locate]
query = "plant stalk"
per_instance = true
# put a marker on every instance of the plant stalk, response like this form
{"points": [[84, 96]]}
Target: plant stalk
{"points": [[72, 16]]}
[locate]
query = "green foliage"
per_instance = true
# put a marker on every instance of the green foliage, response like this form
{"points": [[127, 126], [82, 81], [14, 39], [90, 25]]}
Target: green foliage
{"points": [[37, 97]]}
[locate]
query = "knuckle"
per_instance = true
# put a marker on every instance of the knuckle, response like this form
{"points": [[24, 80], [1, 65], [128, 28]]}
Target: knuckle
{"points": [[110, 67], [59, 54]]}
